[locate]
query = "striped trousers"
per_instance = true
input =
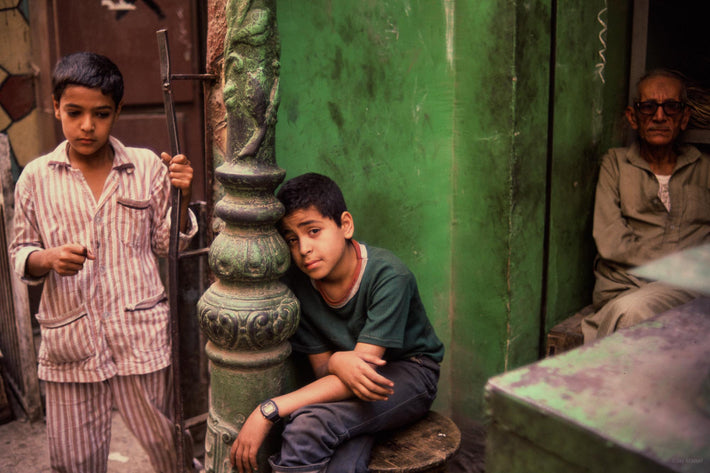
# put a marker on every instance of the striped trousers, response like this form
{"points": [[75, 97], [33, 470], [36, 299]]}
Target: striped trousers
{"points": [[79, 421]]}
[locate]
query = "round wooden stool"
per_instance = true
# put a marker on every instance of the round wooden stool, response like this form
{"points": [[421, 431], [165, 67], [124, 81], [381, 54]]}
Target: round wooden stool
{"points": [[424, 447]]}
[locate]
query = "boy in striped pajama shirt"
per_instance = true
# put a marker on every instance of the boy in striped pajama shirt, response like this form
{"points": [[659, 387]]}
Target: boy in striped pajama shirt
{"points": [[91, 218]]}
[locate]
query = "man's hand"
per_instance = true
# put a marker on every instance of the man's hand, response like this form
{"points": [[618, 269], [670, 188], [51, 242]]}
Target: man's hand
{"points": [[356, 370], [65, 260], [250, 438]]}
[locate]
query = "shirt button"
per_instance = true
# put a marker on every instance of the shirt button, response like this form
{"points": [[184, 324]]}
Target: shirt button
{"points": [[107, 315], [99, 220]]}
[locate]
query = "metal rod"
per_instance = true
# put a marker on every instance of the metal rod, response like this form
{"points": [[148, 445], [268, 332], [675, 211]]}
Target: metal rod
{"points": [[193, 77], [193, 253], [173, 249]]}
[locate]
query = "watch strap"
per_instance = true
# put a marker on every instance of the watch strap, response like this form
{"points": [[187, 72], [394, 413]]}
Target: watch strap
{"points": [[270, 410]]}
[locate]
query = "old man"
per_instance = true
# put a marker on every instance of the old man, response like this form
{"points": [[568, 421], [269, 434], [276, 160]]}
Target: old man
{"points": [[652, 199]]}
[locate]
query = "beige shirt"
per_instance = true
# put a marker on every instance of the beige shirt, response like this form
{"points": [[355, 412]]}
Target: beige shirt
{"points": [[631, 224], [112, 316]]}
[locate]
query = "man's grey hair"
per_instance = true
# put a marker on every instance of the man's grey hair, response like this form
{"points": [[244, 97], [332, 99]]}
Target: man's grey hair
{"points": [[662, 72]]}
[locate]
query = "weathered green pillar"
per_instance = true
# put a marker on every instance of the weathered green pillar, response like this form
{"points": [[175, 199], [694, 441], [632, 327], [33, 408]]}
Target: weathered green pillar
{"points": [[247, 314]]}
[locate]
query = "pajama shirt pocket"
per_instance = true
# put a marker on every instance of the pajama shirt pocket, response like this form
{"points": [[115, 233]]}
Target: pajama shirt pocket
{"points": [[147, 324], [67, 339], [133, 221]]}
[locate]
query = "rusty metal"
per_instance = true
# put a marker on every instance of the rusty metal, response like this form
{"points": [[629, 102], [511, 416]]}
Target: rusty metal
{"points": [[206, 77], [191, 253], [173, 250]]}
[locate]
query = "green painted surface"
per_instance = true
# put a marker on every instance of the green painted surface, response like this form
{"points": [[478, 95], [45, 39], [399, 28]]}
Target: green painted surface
{"points": [[247, 314], [591, 79], [366, 98], [632, 402], [499, 172], [433, 118]]}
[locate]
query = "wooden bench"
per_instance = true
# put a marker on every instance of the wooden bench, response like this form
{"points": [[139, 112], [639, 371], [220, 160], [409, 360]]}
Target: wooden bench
{"points": [[424, 447], [568, 333]]}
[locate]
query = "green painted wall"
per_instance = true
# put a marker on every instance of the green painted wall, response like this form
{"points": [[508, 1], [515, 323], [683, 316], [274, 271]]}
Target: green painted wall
{"points": [[590, 96], [366, 98], [434, 117], [501, 111]]}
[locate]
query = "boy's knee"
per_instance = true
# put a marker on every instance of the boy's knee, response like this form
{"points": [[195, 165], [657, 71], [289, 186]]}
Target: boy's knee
{"points": [[310, 421]]}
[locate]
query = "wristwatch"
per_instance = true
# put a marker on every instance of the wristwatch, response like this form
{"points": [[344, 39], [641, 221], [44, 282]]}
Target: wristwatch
{"points": [[270, 411]]}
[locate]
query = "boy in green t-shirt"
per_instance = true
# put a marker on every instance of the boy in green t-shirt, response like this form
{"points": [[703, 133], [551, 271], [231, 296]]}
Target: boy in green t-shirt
{"points": [[365, 331]]}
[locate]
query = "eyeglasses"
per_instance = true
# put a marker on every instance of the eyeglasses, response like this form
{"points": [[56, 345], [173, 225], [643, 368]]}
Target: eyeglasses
{"points": [[670, 108]]}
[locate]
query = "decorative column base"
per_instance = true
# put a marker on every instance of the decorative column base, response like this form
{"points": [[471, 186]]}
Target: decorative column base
{"points": [[239, 382]]}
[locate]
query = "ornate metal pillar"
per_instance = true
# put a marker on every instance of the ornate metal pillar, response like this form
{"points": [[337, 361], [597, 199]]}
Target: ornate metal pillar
{"points": [[247, 314]]}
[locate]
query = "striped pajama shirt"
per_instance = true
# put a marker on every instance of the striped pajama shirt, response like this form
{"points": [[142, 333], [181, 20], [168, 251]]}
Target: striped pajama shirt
{"points": [[108, 324]]}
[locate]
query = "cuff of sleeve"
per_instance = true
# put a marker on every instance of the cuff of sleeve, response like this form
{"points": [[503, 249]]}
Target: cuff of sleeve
{"points": [[191, 229], [21, 264]]}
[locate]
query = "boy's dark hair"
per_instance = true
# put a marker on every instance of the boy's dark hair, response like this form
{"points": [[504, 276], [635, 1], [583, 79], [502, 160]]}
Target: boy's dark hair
{"points": [[313, 190], [90, 70]]}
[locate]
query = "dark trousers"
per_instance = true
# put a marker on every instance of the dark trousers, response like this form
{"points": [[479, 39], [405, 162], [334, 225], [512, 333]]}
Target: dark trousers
{"points": [[338, 436]]}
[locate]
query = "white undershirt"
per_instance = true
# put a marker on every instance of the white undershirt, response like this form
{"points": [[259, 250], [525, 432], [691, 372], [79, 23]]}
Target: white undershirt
{"points": [[663, 192]]}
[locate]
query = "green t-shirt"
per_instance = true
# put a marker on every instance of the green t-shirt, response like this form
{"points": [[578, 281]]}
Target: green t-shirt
{"points": [[384, 310]]}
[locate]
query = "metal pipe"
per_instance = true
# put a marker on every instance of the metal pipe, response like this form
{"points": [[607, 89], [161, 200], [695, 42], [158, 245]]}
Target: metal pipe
{"points": [[173, 249]]}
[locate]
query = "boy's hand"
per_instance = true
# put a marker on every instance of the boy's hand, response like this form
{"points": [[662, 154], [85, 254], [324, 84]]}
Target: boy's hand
{"points": [[250, 438], [180, 172], [65, 260], [355, 369]]}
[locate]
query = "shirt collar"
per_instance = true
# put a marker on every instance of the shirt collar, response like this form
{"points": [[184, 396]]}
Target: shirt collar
{"points": [[688, 154], [121, 162], [120, 158]]}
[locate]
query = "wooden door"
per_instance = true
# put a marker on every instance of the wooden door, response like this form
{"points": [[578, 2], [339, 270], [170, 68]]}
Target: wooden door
{"points": [[125, 31]]}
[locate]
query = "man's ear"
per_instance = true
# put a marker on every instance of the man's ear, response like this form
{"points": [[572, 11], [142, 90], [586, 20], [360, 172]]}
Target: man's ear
{"points": [[631, 117], [347, 224], [118, 108], [685, 119]]}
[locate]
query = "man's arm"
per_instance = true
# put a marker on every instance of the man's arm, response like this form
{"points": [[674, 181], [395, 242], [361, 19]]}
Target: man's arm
{"points": [[614, 238]]}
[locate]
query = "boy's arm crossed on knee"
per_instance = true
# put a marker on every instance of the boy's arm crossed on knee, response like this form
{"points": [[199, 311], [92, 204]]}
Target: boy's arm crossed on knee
{"points": [[357, 370], [362, 380]]}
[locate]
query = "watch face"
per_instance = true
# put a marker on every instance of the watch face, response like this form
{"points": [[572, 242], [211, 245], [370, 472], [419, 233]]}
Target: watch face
{"points": [[268, 409]]}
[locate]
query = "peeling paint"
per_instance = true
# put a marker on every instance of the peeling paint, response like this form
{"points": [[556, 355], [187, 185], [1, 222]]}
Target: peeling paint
{"points": [[449, 9], [637, 389]]}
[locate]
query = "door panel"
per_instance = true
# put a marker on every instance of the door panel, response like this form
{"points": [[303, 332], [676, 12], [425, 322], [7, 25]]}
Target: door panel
{"points": [[128, 37]]}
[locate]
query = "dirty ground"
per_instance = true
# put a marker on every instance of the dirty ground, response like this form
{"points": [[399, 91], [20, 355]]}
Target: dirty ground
{"points": [[23, 449]]}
